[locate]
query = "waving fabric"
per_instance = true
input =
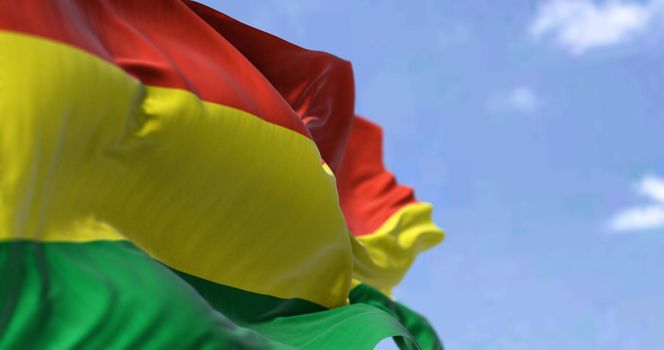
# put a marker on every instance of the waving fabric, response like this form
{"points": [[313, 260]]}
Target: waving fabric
{"points": [[168, 181]]}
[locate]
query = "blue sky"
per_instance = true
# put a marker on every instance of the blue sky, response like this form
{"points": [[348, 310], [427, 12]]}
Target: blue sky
{"points": [[536, 130]]}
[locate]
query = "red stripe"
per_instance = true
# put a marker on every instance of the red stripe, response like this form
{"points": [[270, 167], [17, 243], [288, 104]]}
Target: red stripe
{"points": [[162, 43], [369, 194]]}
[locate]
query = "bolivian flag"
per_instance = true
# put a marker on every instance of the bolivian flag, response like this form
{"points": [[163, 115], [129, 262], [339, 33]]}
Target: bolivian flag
{"points": [[171, 178]]}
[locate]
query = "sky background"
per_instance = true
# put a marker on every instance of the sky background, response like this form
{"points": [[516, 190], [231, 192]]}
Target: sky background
{"points": [[536, 129]]}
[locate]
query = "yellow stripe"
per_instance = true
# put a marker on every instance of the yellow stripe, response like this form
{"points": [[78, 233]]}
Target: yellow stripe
{"points": [[87, 152], [383, 257]]}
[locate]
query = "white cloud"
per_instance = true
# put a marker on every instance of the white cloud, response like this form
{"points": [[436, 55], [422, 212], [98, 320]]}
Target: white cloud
{"points": [[520, 99], [581, 25], [645, 217], [652, 187], [523, 99], [639, 218]]}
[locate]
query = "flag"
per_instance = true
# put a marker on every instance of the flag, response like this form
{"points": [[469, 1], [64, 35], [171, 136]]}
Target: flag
{"points": [[168, 181]]}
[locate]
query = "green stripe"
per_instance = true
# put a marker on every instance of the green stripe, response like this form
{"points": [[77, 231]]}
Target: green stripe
{"points": [[246, 307], [416, 324], [297, 321], [357, 326], [111, 295], [104, 295]]}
